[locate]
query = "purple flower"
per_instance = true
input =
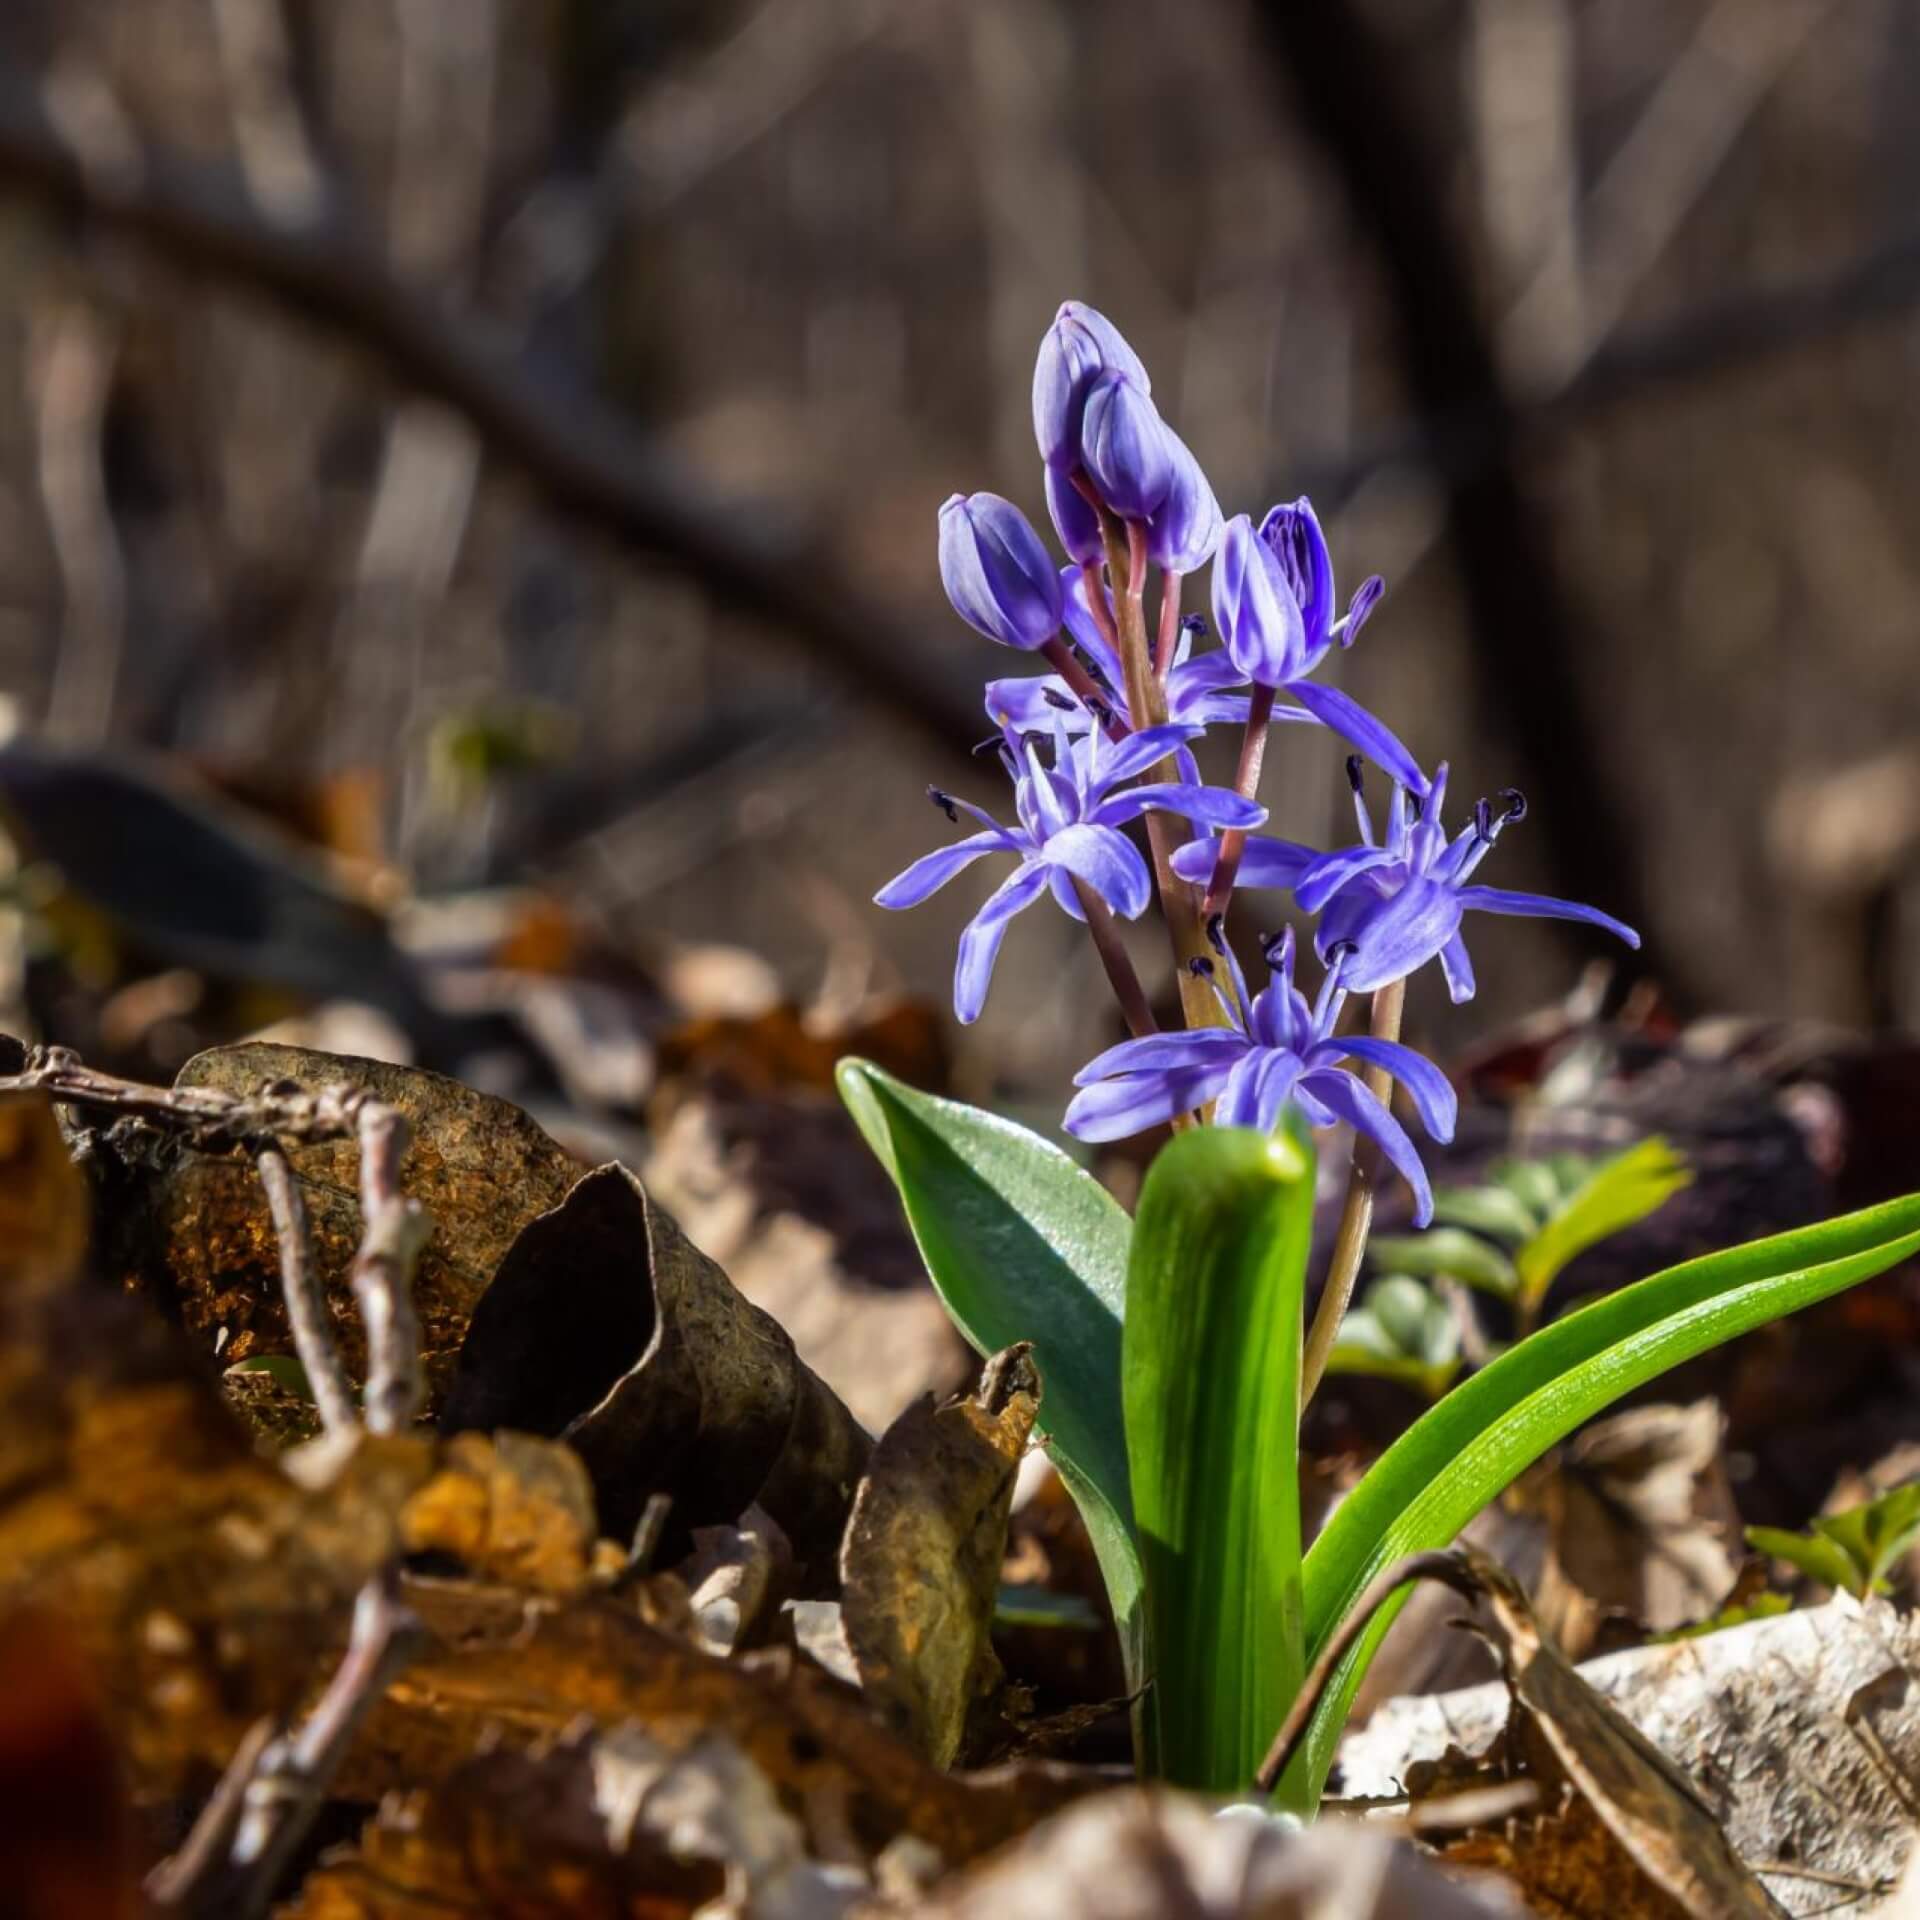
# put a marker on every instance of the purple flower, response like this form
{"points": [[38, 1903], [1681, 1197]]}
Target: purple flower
{"points": [[1069, 821], [1393, 908], [1275, 1049], [1074, 519], [1000, 578], [1186, 526], [1079, 346], [1273, 604], [1125, 447]]}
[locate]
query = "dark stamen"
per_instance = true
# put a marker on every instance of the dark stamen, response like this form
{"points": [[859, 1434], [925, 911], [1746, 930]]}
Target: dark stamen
{"points": [[1356, 776], [944, 801], [1200, 967], [993, 741], [1065, 702], [1340, 949], [1195, 624], [1483, 822], [1217, 933], [1516, 806], [1272, 945]]}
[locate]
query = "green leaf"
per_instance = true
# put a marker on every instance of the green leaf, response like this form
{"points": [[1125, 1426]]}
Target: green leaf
{"points": [[1816, 1556], [1211, 1366], [1615, 1195], [1763, 1606], [1491, 1210], [1532, 1183], [1022, 1244], [1027, 1606], [1877, 1533], [1399, 1331], [1463, 1452], [1449, 1251]]}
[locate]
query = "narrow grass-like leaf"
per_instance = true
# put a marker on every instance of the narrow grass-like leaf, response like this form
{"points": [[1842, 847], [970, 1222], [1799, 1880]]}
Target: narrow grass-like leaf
{"points": [[1461, 1453], [1022, 1244], [1211, 1363]]}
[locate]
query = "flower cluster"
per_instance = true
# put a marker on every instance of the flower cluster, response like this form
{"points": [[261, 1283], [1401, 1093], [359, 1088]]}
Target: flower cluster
{"points": [[1105, 737]]}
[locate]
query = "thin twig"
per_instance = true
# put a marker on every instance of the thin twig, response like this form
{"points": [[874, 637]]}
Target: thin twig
{"points": [[290, 1783], [394, 1229], [306, 1300], [179, 1879], [1444, 1564], [1121, 976], [1356, 1216]]}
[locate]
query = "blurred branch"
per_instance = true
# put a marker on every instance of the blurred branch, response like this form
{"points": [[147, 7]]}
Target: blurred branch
{"points": [[1523, 635], [585, 459]]}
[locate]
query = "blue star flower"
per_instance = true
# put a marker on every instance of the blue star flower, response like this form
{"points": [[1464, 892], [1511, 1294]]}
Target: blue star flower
{"points": [[1276, 1049], [1397, 906], [1069, 821]]}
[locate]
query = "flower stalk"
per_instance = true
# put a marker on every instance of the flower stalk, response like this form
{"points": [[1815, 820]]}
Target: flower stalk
{"points": [[1356, 1212]]}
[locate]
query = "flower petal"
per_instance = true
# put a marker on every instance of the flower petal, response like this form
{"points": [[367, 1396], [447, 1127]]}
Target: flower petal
{"points": [[933, 870], [1258, 619], [1342, 714], [1022, 704], [1332, 871], [980, 938], [1209, 806], [1430, 1090], [1139, 751], [1257, 1089], [1107, 861], [1155, 1052], [1086, 636], [1136, 1101], [1456, 964], [1064, 896], [1346, 1097], [1212, 673], [1390, 937], [1543, 906]]}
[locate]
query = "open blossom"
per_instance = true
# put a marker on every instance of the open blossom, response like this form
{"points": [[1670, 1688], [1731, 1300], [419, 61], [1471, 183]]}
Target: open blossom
{"points": [[1069, 818], [1394, 907], [1277, 1049], [1273, 603], [999, 576]]}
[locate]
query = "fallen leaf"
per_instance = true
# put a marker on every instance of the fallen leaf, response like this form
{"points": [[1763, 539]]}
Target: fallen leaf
{"points": [[45, 1202], [198, 1236], [607, 1328], [1643, 1526], [733, 1578], [505, 1666], [920, 1568], [1144, 1855]]}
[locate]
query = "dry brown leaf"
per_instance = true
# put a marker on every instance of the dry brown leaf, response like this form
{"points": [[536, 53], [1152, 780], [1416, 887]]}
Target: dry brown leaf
{"points": [[734, 1579], [1643, 1524], [512, 1508], [605, 1326], [201, 1580], [505, 1665], [920, 1567], [1141, 1855], [45, 1202], [197, 1235]]}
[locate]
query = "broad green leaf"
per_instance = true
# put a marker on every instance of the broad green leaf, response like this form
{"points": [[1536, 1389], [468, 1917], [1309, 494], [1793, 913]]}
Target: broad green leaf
{"points": [[1461, 1453], [1451, 1251], [1817, 1557], [1022, 1244], [1615, 1195], [1491, 1210], [1878, 1532], [1399, 1331], [1532, 1183], [1211, 1366]]}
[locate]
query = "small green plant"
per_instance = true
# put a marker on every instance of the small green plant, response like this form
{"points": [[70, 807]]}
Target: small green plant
{"points": [[1850, 1551], [1401, 1331], [1174, 1347], [1513, 1235]]}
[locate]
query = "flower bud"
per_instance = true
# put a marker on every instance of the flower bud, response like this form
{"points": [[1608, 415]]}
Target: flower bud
{"points": [[1074, 519], [999, 577], [1256, 613], [1079, 346], [1186, 527], [1294, 537], [1125, 447]]}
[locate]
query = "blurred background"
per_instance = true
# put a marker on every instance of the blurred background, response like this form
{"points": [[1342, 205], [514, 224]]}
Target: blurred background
{"points": [[484, 454]]}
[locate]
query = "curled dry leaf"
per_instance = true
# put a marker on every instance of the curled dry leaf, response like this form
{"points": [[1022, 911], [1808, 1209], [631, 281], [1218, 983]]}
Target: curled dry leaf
{"points": [[733, 1578], [600, 1827], [505, 1666], [920, 1567], [1139, 1855], [608, 1328], [197, 1235], [1643, 1526], [1805, 1727]]}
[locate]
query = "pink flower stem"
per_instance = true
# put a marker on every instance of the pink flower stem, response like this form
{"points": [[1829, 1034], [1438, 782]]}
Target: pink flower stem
{"points": [[1246, 782]]}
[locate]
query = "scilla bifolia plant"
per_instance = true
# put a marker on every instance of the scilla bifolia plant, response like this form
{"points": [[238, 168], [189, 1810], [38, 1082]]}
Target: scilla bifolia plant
{"points": [[1174, 1346]]}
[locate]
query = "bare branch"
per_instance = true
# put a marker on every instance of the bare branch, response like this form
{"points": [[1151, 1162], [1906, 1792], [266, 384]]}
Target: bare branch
{"points": [[306, 1301], [580, 454], [394, 1231]]}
